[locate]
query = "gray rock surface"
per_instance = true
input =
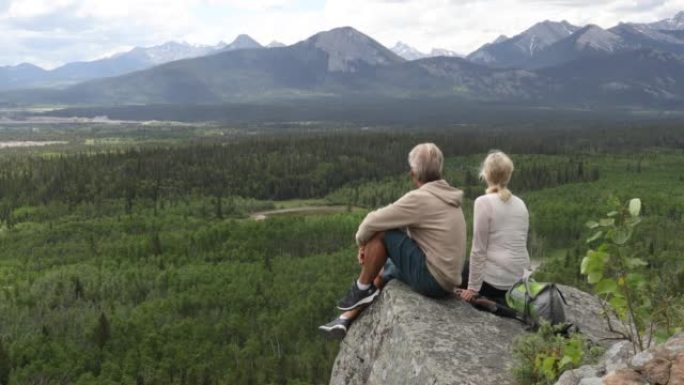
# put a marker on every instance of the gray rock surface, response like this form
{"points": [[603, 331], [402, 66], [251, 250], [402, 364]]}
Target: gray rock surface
{"points": [[663, 365], [406, 338], [641, 359], [591, 381], [616, 357], [583, 373]]}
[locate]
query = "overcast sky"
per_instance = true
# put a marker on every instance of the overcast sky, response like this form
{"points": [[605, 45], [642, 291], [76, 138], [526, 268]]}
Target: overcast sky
{"points": [[53, 32]]}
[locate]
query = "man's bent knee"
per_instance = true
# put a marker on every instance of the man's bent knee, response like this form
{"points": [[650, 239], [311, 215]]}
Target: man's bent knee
{"points": [[378, 237]]}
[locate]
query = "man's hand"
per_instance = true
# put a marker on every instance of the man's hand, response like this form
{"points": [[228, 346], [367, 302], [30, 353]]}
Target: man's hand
{"points": [[468, 295], [361, 255]]}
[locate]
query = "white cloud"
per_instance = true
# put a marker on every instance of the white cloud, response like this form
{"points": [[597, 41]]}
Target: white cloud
{"points": [[465, 25], [51, 32]]}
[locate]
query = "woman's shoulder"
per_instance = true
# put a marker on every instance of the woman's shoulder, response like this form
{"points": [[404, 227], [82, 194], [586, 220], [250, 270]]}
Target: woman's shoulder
{"points": [[485, 199], [518, 202], [517, 199]]}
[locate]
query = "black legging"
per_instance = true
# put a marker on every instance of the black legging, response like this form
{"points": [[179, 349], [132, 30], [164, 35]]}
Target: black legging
{"points": [[490, 292]]}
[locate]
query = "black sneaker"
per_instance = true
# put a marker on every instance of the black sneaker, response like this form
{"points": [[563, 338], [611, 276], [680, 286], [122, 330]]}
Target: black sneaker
{"points": [[335, 329], [357, 297]]}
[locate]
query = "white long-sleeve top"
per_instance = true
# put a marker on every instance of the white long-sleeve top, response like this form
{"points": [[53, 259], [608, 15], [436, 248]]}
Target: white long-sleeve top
{"points": [[499, 251]]}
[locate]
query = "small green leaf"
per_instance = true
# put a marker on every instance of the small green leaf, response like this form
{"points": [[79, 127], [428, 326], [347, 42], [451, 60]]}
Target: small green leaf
{"points": [[635, 207], [592, 224], [619, 304], [606, 286], [613, 214], [594, 277], [566, 360], [607, 222], [633, 263], [594, 237], [621, 235], [583, 266], [596, 260], [635, 280]]}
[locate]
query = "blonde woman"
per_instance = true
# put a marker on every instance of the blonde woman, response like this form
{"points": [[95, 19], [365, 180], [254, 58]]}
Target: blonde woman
{"points": [[498, 256]]}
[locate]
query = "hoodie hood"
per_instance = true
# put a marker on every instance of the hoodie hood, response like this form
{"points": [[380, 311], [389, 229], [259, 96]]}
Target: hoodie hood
{"points": [[442, 190]]}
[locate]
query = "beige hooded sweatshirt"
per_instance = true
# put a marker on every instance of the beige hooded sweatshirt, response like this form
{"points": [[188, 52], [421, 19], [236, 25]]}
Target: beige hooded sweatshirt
{"points": [[432, 216]]}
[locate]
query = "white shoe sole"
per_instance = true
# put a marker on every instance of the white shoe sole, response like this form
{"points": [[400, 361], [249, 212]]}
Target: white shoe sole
{"points": [[364, 301], [336, 332]]}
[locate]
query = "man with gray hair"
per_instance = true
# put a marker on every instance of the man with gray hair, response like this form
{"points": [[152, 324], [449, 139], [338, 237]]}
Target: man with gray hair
{"points": [[419, 239]]}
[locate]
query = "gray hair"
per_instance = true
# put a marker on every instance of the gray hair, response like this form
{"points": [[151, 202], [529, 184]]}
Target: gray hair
{"points": [[426, 162]]}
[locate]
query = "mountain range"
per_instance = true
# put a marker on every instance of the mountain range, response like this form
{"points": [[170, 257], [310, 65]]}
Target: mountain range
{"points": [[28, 75], [549, 63], [548, 43]]}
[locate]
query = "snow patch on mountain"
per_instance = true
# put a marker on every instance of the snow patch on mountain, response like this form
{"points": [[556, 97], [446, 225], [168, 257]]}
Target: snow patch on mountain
{"points": [[598, 39], [407, 52]]}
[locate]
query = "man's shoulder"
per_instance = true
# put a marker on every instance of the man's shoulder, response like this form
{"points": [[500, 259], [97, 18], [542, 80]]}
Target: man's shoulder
{"points": [[413, 194]]}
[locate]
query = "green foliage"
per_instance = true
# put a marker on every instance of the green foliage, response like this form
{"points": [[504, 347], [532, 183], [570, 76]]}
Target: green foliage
{"points": [[102, 332], [617, 275], [541, 358], [92, 300], [5, 365]]}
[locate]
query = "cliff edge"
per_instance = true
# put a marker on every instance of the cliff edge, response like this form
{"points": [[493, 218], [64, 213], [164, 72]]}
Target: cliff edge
{"points": [[406, 338]]}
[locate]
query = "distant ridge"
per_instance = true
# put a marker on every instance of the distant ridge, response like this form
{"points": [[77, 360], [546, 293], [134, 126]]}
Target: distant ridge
{"points": [[18, 76], [522, 48], [589, 41], [136, 59], [553, 43]]}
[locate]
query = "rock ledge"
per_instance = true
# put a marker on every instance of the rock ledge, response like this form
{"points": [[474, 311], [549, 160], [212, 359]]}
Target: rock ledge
{"points": [[406, 338]]}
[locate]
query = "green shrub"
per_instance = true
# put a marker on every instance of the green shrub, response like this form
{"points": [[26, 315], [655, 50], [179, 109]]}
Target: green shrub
{"points": [[616, 268], [540, 358]]}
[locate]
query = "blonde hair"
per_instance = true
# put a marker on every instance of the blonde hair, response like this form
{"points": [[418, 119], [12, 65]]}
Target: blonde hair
{"points": [[496, 170], [426, 162]]}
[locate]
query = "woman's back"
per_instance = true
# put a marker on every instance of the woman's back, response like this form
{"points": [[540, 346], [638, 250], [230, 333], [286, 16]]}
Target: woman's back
{"points": [[505, 238]]}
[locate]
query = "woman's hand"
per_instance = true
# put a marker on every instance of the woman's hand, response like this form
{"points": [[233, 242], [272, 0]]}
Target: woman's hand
{"points": [[468, 295]]}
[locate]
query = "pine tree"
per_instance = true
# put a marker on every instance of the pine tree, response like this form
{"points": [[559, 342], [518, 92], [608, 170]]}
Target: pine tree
{"points": [[5, 365], [102, 331]]}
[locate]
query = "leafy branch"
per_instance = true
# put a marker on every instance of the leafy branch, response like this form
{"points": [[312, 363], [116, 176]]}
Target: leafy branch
{"points": [[612, 268]]}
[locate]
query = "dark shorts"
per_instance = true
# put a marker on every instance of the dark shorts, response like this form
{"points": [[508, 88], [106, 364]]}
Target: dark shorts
{"points": [[406, 261]]}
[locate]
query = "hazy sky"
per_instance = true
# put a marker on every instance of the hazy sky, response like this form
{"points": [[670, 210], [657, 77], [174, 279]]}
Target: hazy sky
{"points": [[52, 32]]}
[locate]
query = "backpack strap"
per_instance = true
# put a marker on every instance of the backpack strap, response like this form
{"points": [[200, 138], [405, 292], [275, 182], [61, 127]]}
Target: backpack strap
{"points": [[527, 314], [561, 294]]}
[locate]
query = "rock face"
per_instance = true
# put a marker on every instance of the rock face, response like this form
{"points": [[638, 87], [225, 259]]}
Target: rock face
{"points": [[661, 365], [406, 338]]}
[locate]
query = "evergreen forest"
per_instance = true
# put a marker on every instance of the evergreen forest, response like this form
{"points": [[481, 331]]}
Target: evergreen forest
{"points": [[205, 254]]}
